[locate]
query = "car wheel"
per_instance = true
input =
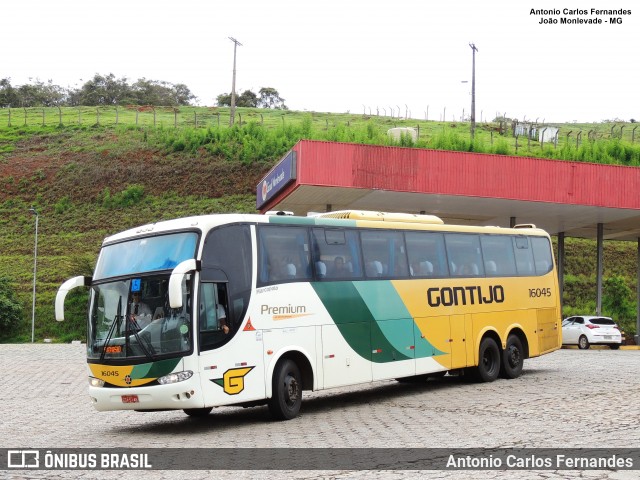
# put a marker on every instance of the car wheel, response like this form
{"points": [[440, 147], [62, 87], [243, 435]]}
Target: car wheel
{"points": [[615, 346], [512, 358], [286, 398], [583, 343]]}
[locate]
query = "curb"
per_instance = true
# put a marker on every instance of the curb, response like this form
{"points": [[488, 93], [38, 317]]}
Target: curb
{"points": [[602, 347]]}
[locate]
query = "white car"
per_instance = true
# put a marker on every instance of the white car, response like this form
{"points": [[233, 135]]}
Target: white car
{"points": [[591, 330]]}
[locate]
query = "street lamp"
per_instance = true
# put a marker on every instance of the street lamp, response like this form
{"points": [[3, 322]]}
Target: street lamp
{"points": [[35, 264]]}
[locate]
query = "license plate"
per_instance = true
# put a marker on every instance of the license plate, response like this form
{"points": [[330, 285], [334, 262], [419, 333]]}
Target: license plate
{"points": [[607, 337], [130, 399]]}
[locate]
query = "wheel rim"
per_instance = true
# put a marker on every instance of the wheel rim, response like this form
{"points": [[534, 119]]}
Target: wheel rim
{"points": [[513, 356], [291, 390], [583, 342]]}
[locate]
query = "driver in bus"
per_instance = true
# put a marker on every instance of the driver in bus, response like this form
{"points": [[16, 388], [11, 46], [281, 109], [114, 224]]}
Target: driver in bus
{"points": [[222, 318], [140, 313]]}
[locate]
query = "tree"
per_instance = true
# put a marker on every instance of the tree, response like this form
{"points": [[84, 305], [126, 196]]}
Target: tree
{"points": [[223, 100], [10, 308], [104, 90], [38, 94], [8, 94], [270, 98], [245, 99], [154, 92], [182, 95]]}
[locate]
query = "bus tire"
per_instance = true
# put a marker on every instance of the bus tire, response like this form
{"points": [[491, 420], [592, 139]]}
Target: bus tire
{"points": [[286, 396], [488, 361], [512, 358], [198, 412]]}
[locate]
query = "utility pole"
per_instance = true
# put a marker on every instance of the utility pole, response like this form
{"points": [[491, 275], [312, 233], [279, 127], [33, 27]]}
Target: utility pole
{"points": [[35, 263], [473, 90], [233, 83]]}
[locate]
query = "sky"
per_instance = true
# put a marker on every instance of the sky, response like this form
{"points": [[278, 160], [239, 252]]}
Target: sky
{"points": [[410, 58]]}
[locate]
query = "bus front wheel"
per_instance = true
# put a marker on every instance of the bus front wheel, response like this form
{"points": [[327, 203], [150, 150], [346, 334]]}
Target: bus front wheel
{"points": [[489, 361], [198, 412], [512, 358], [287, 391]]}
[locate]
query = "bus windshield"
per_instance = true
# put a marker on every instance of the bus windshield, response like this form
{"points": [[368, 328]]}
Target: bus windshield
{"points": [[147, 254], [131, 318]]}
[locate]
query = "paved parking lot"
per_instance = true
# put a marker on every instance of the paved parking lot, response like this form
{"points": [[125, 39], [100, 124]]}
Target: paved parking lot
{"points": [[571, 398]]}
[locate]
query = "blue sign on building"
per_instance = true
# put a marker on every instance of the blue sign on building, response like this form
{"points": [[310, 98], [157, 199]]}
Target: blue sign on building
{"points": [[278, 177]]}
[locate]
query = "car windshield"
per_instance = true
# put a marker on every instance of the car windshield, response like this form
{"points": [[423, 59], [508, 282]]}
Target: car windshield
{"points": [[131, 318]]}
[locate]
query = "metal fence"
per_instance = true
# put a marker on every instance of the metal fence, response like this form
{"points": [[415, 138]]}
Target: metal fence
{"points": [[132, 115]]}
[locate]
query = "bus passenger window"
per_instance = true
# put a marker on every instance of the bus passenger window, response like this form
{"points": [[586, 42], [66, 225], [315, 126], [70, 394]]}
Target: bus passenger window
{"points": [[464, 255], [497, 251], [524, 256], [336, 253], [542, 255], [426, 254], [384, 254], [283, 254]]}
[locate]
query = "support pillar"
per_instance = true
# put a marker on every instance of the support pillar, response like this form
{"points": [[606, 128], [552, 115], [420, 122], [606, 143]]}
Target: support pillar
{"points": [[561, 268], [599, 270], [637, 336]]}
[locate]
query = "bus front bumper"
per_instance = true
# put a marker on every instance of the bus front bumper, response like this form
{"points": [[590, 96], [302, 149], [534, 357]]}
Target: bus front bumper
{"points": [[177, 396]]}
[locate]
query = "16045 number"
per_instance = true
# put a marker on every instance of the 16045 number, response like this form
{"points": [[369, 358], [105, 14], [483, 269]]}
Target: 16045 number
{"points": [[539, 292]]}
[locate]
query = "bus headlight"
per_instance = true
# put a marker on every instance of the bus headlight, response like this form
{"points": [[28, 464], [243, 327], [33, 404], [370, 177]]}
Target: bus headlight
{"points": [[96, 382], [175, 377]]}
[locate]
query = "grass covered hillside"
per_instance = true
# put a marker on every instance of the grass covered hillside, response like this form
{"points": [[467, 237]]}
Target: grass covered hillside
{"points": [[91, 173]]}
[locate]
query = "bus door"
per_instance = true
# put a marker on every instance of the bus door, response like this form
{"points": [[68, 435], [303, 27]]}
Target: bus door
{"points": [[230, 361]]}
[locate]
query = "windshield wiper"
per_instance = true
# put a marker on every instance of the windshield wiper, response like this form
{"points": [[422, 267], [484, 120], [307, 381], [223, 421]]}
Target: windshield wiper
{"points": [[116, 320]]}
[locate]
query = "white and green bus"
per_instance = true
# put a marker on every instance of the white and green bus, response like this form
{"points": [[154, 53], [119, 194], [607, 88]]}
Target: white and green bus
{"points": [[253, 309]]}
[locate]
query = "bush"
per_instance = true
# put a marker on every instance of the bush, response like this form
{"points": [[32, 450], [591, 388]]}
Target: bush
{"points": [[10, 309], [130, 196], [617, 302], [62, 205]]}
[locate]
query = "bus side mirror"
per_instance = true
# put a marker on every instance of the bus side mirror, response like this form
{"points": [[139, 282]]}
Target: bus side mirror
{"points": [[175, 281], [70, 284]]}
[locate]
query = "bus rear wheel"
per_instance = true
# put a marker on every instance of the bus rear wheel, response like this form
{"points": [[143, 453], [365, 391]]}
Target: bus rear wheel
{"points": [[489, 361], [286, 398], [512, 358]]}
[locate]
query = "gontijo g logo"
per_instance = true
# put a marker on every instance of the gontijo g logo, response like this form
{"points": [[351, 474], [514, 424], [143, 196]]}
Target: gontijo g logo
{"points": [[232, 382]]}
